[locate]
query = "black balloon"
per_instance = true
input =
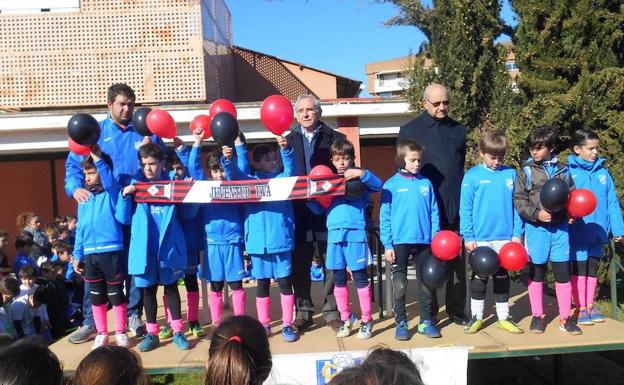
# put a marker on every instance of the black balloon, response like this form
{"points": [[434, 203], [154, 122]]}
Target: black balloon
{"points": [[138, 121], [224, 129], [354, 189], [554, 194], [433, 273], [83, 129], [484, 261]]}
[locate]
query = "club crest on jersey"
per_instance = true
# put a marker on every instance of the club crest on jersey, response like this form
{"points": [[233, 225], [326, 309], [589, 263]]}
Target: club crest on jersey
{"points": [[424, 191], [509, 183], [602, 178], [137, 145]]}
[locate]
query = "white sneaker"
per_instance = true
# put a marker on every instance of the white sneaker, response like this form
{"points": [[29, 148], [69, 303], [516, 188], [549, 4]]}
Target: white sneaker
{"points": [[100, 340], [122, 340]]}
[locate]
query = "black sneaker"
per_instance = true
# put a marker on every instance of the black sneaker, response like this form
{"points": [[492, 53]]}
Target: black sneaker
{"points": [[569, 327], [537, 325]]}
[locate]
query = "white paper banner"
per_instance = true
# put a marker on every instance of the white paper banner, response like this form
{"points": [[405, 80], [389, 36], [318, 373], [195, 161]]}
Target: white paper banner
{"points": [[437, 366]]}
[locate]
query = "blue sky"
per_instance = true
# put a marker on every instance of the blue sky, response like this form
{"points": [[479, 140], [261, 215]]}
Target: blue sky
{"points": [[338, 36]]}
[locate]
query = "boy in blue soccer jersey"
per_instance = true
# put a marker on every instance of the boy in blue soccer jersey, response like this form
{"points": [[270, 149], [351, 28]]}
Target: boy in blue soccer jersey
{"points": [[488, 218], [347, 243], [269, 231], [408, 219]]}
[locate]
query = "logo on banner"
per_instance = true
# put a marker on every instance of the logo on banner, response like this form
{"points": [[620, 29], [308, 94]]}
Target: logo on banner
{"points": [[329, 368]]}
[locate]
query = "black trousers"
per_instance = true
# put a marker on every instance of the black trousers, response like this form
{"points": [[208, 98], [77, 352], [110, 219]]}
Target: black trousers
{"points": [[301, 261], [426, 296], [455, 295]]}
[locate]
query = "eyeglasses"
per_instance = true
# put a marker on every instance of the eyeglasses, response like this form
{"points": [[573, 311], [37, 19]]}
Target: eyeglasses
{"points": [[437, 104]]}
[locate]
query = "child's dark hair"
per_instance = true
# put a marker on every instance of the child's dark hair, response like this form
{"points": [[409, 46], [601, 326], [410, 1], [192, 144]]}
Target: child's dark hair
{"points": [[70, 218], [9, 286], [27, 271], [119, 89], [342, 147], [173, 159], [23, 241], [239, 353], [403, 147], [51, 228], [261, 150], [40, 296], [112, 365], [542, 136], [493, 143], [29, 363], [89, 164], [48, 267], [60, 247], [213, 161], [580, 137], [151, 150]]}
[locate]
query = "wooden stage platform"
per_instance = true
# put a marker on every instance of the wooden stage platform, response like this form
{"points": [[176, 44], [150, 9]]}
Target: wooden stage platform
{"points": [[488, 343]]}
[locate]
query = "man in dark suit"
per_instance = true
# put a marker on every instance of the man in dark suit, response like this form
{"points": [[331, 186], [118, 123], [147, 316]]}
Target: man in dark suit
{"points": [[311, 140], [444, 140]]}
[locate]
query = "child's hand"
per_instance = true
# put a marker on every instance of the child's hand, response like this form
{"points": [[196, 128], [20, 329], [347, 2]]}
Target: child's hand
{"points": [[96, 152], [198, 136], [76, 266], [617, 239], [353, 173], [178, 143], [81, 195], [390, 256], [471, 245], [544, 216], [282, 142], [128, 190], [516, 239], [571, 220], [227, 152], [146, 140]]}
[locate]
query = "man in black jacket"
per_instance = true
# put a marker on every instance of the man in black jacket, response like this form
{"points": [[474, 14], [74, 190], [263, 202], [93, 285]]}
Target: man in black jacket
{"points": [[311, 140], [444, 140]]}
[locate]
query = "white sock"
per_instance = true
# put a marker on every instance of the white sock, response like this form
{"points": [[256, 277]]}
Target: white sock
{"points": [[476, 306], [502, 310]]}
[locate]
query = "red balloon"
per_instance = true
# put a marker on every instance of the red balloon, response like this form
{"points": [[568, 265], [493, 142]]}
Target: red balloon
{"points": [[581, 202], [321, 171], [446, 245], [513, 256], [222, 105], [276, 114], [201, 122], [78, 149], [160, 123]]}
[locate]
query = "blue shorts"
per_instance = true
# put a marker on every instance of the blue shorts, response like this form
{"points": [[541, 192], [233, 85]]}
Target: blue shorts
{"points": [[271, 265], [223, 263], [547, 243], [156, 275], [581, 253], [351, 255], [192, 261]]}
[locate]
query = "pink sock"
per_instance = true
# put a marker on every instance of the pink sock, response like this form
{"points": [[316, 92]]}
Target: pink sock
{"points": [[216, 306], [364, 294], [263, 307], [288, 305], [536, 290], [120, 312], [99, 316], [238, 301], [342, 302], [152, 328], [192, 305], [167, 311], [177, 325], [564, 298], [581, 290], [592, 282], [574, 279]]}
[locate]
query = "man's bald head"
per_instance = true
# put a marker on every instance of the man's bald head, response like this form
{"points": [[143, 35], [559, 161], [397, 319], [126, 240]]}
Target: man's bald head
{"points": [[435, 100]]}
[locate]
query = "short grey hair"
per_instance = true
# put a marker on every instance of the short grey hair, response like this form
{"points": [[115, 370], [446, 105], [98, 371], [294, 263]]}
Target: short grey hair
{"points": [[317, 102], [429, 87]]}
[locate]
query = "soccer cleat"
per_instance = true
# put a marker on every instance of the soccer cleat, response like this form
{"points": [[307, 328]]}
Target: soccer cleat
{"points": [[346, 327], [366, 330], [428, 328], [473, 326], [100, 340], [196, 329], [180, 342], [150, 342], [165, 332], [569, 327], [289, 334], [537, 325], [509, 326], [402, 331], [595, 315], [584, 318], [122, 340]]}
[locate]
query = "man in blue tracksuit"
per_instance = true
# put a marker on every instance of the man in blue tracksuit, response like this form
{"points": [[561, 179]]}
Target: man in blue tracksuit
{"points": [[269, 232], [121, 142]]}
